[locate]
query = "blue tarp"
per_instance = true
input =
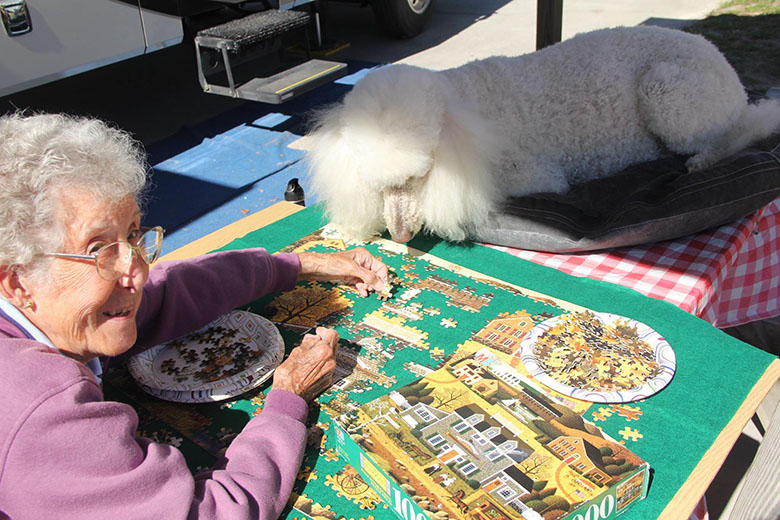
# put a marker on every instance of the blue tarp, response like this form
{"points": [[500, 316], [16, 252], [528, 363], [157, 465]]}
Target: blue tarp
{"points": [[222, 170]]}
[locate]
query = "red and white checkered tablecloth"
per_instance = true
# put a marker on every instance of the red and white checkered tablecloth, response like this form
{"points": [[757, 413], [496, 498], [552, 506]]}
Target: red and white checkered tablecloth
{"points": [[727, 276]]}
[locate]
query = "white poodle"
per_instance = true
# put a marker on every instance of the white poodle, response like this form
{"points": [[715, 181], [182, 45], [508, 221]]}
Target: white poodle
{"points": [[410, 148]]}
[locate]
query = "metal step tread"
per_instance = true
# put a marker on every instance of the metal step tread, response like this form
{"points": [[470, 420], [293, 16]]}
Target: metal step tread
{"points": [[291, 82], [254, 28]]}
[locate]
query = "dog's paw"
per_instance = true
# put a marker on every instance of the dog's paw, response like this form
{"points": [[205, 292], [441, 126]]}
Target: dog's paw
{"points": [[700, 161]]}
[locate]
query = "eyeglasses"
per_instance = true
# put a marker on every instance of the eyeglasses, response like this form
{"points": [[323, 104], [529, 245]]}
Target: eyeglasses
{"points": [[113, 260]]}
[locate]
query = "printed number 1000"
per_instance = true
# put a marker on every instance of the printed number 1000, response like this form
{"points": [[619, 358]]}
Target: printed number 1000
{"points": [[595, 512], [405, 507]]}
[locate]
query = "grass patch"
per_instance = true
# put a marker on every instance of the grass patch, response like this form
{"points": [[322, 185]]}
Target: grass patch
{"points": [[748, 33]]}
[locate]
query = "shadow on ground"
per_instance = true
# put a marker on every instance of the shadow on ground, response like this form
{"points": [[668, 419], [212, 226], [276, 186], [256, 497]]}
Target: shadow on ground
{"points": [[750, 43]]}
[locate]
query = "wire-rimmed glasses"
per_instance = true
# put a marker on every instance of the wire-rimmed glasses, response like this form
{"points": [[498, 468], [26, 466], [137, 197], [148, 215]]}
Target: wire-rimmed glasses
{"points": [[113, 260]]}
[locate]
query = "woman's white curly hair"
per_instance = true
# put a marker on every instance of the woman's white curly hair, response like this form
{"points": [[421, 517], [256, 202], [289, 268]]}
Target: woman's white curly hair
{"points": [[43, 156]]}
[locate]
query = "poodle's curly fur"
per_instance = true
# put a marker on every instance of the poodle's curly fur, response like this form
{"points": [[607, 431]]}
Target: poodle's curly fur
{"points": [[410, 148]]}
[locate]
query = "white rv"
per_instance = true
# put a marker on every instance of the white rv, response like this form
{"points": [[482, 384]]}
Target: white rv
{"points": [[45, 40]]}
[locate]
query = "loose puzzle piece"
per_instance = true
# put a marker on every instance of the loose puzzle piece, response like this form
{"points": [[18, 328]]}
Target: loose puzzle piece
{"points": [[602, 414], [631, 413], [387, 289], [308, 506], [331, 455], [448, 323], [437, 352], [630, 433], [432, 311], [307, 474]]}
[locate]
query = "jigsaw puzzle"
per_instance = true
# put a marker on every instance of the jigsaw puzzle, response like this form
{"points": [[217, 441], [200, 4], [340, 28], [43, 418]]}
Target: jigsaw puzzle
{"points": [[432, 313]]}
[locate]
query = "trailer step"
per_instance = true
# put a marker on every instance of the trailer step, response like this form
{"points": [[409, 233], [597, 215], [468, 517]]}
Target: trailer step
{"points": [[241, 33], [287, 84], [251, 36]]}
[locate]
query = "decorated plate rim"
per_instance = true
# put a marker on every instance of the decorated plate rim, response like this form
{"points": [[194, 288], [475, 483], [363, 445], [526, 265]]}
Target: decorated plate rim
{"points": [[664, 355], [141, 366]]}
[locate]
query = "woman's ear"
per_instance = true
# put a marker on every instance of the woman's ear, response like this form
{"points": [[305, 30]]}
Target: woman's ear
{"points": [[12, 287]]}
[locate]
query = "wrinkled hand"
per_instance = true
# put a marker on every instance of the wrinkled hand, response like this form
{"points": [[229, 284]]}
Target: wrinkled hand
{"points": [[355, 266], [308, 370]]}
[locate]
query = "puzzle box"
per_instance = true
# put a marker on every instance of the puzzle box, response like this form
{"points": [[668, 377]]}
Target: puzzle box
{"points": [[479, 440]]}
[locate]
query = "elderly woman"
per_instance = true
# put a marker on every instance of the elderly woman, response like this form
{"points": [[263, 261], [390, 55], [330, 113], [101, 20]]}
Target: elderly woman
{"points": [[77, 289]]}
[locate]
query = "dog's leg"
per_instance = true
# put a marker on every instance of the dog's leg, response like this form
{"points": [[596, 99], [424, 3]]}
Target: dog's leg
{"points": [[527, 178], [697, 111]]}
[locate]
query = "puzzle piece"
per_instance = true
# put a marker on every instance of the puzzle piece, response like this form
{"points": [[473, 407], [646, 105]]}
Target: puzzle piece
{"points": [[631, 413], [163, 436], [307, 474], [387, 291], [437, 352], [598, 416], [630, 433], [432, 311], [331, 455], [448, 323], [311, 508]]}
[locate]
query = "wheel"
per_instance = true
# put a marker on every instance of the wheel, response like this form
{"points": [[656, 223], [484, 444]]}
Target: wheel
{"points": [[402, 18]]}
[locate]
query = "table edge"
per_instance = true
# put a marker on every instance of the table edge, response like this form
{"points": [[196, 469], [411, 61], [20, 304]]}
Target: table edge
{"points": [[694, 487], [224, 235]]}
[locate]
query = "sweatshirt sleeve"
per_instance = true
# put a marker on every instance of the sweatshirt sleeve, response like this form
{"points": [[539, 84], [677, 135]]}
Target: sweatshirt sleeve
{"points": [[182, 296], [222, 491], [75, 456]]}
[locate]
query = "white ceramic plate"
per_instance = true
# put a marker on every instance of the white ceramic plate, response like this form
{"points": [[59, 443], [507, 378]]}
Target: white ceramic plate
{"points": [[229, 356], [598, 357]]}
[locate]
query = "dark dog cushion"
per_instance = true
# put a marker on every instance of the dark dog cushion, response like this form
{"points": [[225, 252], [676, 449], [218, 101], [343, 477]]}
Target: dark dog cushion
{"points": [[647, 202]]}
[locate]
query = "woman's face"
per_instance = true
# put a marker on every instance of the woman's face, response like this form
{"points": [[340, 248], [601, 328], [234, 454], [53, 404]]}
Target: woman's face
{"points": [[82, 314]]}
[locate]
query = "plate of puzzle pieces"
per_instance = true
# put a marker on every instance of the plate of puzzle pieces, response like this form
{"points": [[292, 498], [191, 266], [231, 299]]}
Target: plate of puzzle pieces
{"points": [[598, 357], [231, 355]]}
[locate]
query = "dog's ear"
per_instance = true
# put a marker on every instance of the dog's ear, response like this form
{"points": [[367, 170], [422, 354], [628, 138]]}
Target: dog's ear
{"points": [[385, 131], [334, 178], [392, 120], [460, 190]]}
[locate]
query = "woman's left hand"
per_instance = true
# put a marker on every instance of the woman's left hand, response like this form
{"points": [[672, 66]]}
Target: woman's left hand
{"points": [[354, 266]]}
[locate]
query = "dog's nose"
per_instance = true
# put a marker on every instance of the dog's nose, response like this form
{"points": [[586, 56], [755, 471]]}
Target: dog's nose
{"points": [[402, 237]]}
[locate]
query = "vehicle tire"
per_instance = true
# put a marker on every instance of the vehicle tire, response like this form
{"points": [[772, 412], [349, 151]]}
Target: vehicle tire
{"points": [[402, 18]]}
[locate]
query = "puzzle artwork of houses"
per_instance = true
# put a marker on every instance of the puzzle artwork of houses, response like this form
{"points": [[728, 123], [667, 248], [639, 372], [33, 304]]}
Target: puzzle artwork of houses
{"points": [[479, 440]]}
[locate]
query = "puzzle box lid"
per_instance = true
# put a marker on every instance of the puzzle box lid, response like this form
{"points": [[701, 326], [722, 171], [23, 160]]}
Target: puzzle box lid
{"points": [[479, 438]]}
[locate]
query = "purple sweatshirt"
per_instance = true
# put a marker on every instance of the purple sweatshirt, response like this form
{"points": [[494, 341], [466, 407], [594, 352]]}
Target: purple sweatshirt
{"points": [[66, 453]]}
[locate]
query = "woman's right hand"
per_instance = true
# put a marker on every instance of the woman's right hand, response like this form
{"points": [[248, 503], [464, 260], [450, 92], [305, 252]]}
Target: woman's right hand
{"points": [[308, 370]]}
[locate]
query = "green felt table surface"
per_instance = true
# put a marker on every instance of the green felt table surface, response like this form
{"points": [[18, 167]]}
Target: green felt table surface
{"points": [[672, 430]]}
